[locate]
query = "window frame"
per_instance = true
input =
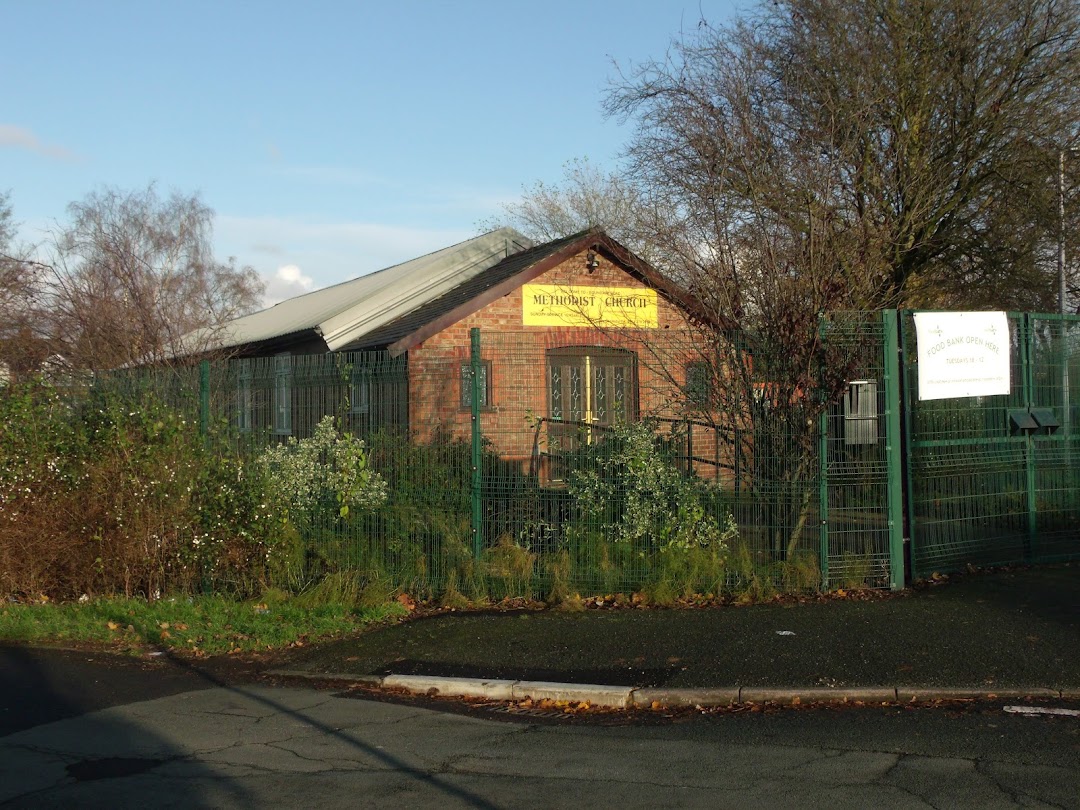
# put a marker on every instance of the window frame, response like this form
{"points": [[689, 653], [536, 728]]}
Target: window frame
{"points": [[360, 392], [245, 397], [282, 398], [699, 387]]}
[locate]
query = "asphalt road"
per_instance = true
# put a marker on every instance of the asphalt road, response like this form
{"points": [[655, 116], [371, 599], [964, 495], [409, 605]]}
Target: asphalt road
{"points": [[89, 731]]}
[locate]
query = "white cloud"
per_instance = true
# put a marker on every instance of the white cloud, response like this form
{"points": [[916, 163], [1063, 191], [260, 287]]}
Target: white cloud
{"points": [[329, 252], [288, 282], [22, 138]]}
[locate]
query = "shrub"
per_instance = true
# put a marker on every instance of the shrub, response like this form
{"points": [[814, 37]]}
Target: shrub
{"points": [[110, 492], [306, 475], [630, 481], [314, 484]]}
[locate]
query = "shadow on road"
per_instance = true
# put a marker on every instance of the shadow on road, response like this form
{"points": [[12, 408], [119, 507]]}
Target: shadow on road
{"points": [[45, 760], [41, 686]]}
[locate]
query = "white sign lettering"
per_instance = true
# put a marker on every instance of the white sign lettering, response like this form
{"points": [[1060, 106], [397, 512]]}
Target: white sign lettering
{"points": [[962, 354]]}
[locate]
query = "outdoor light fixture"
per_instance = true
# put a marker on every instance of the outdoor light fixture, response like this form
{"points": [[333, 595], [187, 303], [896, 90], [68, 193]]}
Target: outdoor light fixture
{"points": [[591, 262]]}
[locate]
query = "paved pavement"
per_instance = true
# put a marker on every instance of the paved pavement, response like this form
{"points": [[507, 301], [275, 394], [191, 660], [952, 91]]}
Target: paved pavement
{"points": [[1006, 633]]}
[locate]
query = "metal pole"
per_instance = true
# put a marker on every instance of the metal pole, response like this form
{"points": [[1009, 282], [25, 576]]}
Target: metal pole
{"points": [[475, 368], [1061, 232], [823, 483], [1026, 356], [1066, 427], [893, 448]]}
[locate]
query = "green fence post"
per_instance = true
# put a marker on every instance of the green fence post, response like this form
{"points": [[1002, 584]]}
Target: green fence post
{"points": [[204, 398], [908, 408], [1026, 341], [476, 369], [823, 483], [893, 448], [823, 497]]}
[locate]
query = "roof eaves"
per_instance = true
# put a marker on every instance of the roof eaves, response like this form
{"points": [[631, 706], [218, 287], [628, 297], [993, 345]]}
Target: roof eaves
{"points": [[424, 283], [543, 263]]}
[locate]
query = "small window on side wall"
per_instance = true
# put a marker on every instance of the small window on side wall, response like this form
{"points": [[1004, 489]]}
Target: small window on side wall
{"points": [[359, 392], [465, 399], [283, 394], [699, 384], [245, 399]]}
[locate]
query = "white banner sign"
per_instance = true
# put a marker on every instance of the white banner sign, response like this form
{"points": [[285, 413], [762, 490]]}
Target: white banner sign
{"points": [[962, 354]]}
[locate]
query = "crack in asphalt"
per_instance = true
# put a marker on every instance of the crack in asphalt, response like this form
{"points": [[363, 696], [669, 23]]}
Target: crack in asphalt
{"points": [[1020, 798]]}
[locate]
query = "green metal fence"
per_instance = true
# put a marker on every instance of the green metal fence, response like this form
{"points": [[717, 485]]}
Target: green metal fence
{"points": [[521, 463], [982, 488], [860, 478]]}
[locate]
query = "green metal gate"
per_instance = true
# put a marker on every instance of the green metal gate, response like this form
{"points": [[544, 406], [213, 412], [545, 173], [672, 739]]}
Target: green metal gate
{"points": [[993, 480], [860, 481]]}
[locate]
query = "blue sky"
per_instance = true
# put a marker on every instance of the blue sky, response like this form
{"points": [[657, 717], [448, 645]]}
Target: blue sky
{"points": [[331, 139]]}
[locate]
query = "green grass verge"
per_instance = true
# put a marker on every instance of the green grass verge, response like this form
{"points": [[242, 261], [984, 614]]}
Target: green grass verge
{"points": [[207, 625]]}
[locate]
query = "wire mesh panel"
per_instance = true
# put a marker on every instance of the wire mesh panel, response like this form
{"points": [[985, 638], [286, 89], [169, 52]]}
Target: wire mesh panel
{"points": [[854, 510], [1055, 382], [990, 477], [576, 459], [590, 491]]}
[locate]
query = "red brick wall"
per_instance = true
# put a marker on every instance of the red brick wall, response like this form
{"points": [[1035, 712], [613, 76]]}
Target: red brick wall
{"points": [[517, 354]]}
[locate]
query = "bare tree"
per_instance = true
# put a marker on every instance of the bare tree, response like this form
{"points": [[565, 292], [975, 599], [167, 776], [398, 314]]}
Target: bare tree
{"points": [[920, 130], [22, 347], [586, 197], [132, 274], [828, 155]]}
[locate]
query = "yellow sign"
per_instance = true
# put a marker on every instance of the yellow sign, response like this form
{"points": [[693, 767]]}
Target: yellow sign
{"points": [[553, 305]]}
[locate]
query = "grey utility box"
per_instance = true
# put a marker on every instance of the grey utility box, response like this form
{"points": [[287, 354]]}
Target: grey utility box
{"points": [[861, 412]]}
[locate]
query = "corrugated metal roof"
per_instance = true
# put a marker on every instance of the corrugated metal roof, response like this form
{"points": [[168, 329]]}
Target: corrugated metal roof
{"points": [[468, 290], [344, 313]]}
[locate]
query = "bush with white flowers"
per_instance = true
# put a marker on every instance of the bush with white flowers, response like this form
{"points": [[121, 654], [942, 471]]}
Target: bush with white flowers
{"points": [[329, 468]]}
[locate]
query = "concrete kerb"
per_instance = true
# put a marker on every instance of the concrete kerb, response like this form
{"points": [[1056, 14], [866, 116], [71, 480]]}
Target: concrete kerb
{"points": [[452, 687], [624, 697], [685, 698], [907, 694], [609, 697], [818, 694]]}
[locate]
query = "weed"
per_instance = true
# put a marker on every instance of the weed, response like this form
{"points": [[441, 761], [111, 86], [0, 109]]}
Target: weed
{"points": [[351, 589], [509, 569], [557, 567]]}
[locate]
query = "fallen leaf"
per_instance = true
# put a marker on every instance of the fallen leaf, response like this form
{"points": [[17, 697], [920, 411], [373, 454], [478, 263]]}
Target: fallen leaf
{"points": [[112, 625]]}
